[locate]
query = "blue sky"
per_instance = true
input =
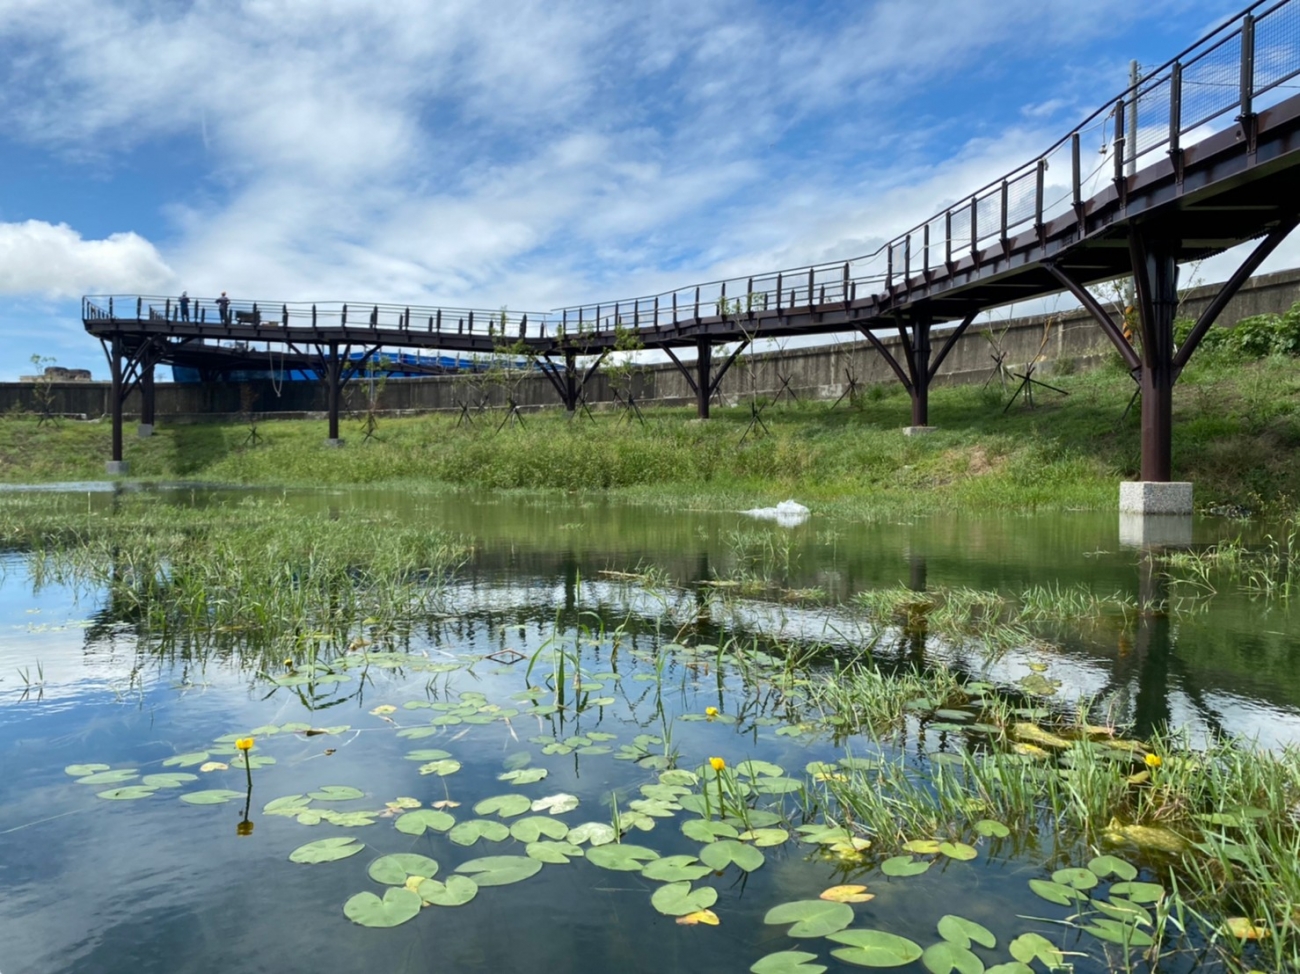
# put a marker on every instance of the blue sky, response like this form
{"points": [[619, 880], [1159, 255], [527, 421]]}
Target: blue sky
{"points": [[526, 154]]}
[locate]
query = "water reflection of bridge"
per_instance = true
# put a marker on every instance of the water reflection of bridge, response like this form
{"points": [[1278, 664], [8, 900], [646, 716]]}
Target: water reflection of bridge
{"points": [[1199, 156]]}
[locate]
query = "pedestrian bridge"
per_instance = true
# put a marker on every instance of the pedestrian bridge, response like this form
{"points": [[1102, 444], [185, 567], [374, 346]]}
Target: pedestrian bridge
{"points": [[1201, 155]]}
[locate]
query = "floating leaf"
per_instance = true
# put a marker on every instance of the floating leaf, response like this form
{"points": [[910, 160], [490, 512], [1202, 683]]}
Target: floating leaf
{"points": [[1146, 836], [1118, 932], [706, 830], [172, 779], [214, 766], [621, 857], [923, 847], [1010, 967], [336, 793], [678, 776], [456, 891], [441, 768], [958, 850], [788, 962], [1244, 929], [253, 761], [875, 948], [675, 869], [469, 832], [81, 770], [962, 932], [396, 869], [1104, 866], [186, 760], [523, 776], [129, 793], [535, 826], [415, 823], [1124, 910], [946, 957], [903, 866], [1139, 892], [811, 918], [427, 754], [506, 806], [1029, 947], [1055, 892], [327, 850], [678, 899], [213, 796], [988, 827], [500, 870], [707, 917], [384, 709], [1075, 878], [287, 805], [596, 833], [718, 855], [109, 777], [765, 838], [852, 893], [558, 853], [556, 804], [397, 906]]}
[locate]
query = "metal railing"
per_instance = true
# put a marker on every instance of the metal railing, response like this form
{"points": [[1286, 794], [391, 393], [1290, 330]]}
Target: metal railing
{"points": [[1240, 67]]}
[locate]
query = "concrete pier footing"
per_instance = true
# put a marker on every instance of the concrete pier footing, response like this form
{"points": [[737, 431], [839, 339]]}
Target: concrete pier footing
{"points": [[1155, 530], [334, 442], [144, 430], [918, 430], [1149, 497], [117, 468]]}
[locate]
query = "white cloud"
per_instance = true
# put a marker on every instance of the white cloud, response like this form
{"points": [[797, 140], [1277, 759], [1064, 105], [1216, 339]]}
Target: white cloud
{"points": [[55, 261]]}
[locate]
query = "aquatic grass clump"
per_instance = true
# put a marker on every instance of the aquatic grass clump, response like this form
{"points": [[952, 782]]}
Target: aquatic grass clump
{"points": [[256, 572], [1270, 570]]}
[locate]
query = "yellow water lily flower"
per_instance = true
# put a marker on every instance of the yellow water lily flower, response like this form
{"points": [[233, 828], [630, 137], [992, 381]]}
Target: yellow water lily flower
{"points": [[288, 661], [717, 764], [710, 711], [1153, 760], [244, 743]]}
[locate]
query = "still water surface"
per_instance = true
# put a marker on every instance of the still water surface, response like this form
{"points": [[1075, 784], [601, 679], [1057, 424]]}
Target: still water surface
{"points": [[94, 885]]}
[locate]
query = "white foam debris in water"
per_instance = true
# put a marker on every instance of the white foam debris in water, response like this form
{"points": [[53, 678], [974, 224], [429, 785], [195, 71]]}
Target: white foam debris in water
{"points": [[787, 514]]}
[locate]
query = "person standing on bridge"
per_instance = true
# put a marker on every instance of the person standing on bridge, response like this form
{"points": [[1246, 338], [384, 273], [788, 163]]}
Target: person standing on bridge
{"points": [[223, 306], [185, 305]]}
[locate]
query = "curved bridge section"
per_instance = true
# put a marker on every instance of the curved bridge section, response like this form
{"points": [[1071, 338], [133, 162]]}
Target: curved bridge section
{"points": [[1200, 156]]}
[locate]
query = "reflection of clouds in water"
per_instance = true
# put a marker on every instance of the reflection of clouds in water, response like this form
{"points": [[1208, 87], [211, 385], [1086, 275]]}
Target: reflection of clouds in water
{"points": [[787, 514]]}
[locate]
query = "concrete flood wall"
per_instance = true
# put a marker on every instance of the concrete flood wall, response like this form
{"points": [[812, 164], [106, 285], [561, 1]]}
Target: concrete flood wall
{"points": [[817, 372]]}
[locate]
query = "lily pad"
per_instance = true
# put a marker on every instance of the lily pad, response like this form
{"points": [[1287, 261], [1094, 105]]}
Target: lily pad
{"points": [[558, 853], [186, 760], [621, 857], [427, 754], [556, 804], [469, 832], [706, 830], [415, 823], [506, 806], [1118, 932], [531, 829], [288, 805], [1075, 878], [958, 850], [788, 962], [500, 870], [875, 948], [777, 786], [336, 793], [173, 780], [811, 918], [718, 855], [848, 893], [523, 776], [327, 850], [675, 869], [81, 770], [441, 768], [765, 838], [1055, 892], [456, 891], [989, 827], [397, 906], [1138, 892], [962, 932], [128, 793], [1104, 866], [898, 866], [946, 957], [678, 899], [109, 777], [212, 796], [1029, 947], [595, 833], [396, 869], [1124, 910], [1010, 967]]}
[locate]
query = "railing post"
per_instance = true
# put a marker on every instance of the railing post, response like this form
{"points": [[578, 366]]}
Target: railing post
{"points": [[1076, 176], [168, 312], [907, 260], [947, 239], [1176, 110], [343, 320], [889, 267], [1004, 212], [284, 315], [437, 321], [925, 251], [1039, 182], [1120, 143], [1247, 81], [139, 308], [313, 316], [975, 229]]}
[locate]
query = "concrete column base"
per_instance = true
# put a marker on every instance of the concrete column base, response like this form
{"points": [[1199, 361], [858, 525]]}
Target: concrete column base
{"points": [[918, 430], [117, 468], [335, 443], [1150, 497], [1164, 530], [144, 430]]}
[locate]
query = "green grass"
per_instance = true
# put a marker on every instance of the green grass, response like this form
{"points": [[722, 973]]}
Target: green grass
{"points": [[1236, 428]]}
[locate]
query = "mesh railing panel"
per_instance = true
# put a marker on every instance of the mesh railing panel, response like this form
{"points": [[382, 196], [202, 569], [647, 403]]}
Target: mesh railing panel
{"points": [[1212, 83], [1152, 108], [1022, 198], [1277, 47]]}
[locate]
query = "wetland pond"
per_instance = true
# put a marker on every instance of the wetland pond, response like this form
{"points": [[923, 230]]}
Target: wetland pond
{"points": [[572, 735]]}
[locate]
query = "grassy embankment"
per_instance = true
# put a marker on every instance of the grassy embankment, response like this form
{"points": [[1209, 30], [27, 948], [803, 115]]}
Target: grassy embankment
{"points": [[1237, 424]]}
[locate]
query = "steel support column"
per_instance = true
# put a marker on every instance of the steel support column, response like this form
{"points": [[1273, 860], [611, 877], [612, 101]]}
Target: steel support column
{"points": [[118, 394], [571, 382], [920, 369], [703, 372], [1155, 280], [146, 394], [334, 369]]}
